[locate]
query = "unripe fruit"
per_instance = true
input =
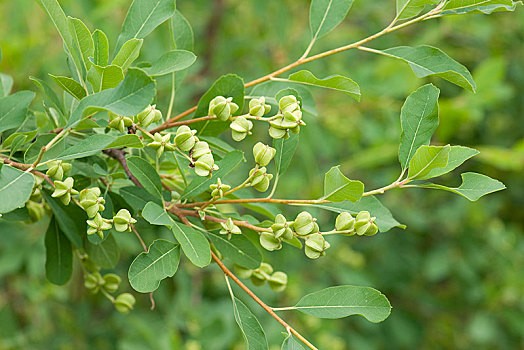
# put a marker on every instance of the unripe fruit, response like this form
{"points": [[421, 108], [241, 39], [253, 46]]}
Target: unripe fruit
{"points": [[365, 225], [304, 224], [345, 222], [288, 103], [269, 242], [263, 153], [185, 138], [148, 116], [240, 128], [205, 165], [125, 302], [123, 220], [316, 245], [223, 108], [278, 281], [229, 228], [258, 107]]}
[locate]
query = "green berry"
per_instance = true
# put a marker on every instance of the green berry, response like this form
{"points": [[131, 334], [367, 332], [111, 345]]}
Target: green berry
{"points": [[316, 245], [258, 107], [240, 128], [124, 302], [263, 153], [205, 165], [185, 138], [123, 220], [111, 282], [269, 242], [218, 189], [148, 116], [223, 108], [304, 224], [345, 222], [365, 224], [288, 103]]}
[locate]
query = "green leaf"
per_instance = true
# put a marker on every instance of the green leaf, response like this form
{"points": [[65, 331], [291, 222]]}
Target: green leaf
{"points": [[102, 78], [129, 98], [385, 221], [82, 40], [51, 97], [129, 140], [343, 301], [338, 188], [137, 197], [201, 184], [105, 254], [252, 331], [16, 187], [335, 82], [59, 255], [6, 84], [430, 61], [13, 109], [238, 249], [128, 53], [156, 215], [71, 219], [53, 9], [291, 344], [459, 7], [146, 175], [97, 142], [473, 186], [285, 150], [325, 15], [457, 156], [101, 48], [183, 32], [230, 85], [426, 159], [143, 17], [148, 269], [71, 86], [170, 62], [31, 154], [194, 245], [409, 8], [418, 121]]}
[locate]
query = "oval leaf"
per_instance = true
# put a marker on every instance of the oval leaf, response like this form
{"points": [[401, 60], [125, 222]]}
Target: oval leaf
{"points": [[251, 329], [338, 188], [325, 15], [457, 156], [343, 301], [105, 254], [193, 243], [148, 269], [238, 249], [128, 53], [170, 62], [16, 187], [426, 159], [71, 86], [156, 215], [58, 255], [146, 175], [335, 82], [285, 150], [13, 109]]}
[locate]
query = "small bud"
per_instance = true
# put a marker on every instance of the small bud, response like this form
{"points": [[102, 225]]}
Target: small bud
{"points": [[345, 222], [269, 242], [278, 281], [258, 107], [98, 225], [93, 282], [205, 165], [229, 228], [223, 108], [123, 220], [91, 202], [218, 189], [281, 228], [365, 224], [57, 169], [201, 148], [263, 153], [316, 245], [240, 128], [111, 282], [64, 190], [260, 179], [125, 302], [148, 116], [304, 224], [161, 143], [242, 272], [185, 138], [35, 210], [288, 103], [119, 122]]}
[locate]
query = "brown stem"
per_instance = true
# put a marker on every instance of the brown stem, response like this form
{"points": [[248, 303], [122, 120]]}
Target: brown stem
{"points": [[120, 156], [184, 122], [23, 166], [257, 200], [268, 309]]}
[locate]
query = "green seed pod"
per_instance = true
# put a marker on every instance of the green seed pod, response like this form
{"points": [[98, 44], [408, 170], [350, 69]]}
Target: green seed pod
{"points": [[161, 143], [240, 128], [229, 228], [93, 282], [263, 153], [261, 179], [345, 222], [123, 220], [365, 225], [89, 194], [316, 245], [205, 165], [278, 133], [35, 210], [124, 302], [64, 190], [261, 275], [288, 103], [111, 282], [98, 225], [119, 122], [90, 202], [185, 138], [304, 224], [222, 108], [148, 116], [278, 281], [281, 228], [201, 148], [269, 242], [258, 107], [218, 189], [57, 169], [242, 272]]}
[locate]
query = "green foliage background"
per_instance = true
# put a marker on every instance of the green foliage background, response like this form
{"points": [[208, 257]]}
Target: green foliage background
{"points": [[454, 276]]}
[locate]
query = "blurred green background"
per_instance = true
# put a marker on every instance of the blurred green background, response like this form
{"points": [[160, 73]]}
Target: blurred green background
{"points": [[455, 276]]}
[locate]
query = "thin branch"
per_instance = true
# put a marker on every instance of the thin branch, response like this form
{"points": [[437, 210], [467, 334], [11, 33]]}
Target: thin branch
{"points": [[184, 122], [193, 213], [120, 156], [23, 166]]}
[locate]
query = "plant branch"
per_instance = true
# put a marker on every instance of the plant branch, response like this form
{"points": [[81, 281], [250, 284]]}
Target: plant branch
{"points": [[120, 156], [25, 167], [268, 309]]}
